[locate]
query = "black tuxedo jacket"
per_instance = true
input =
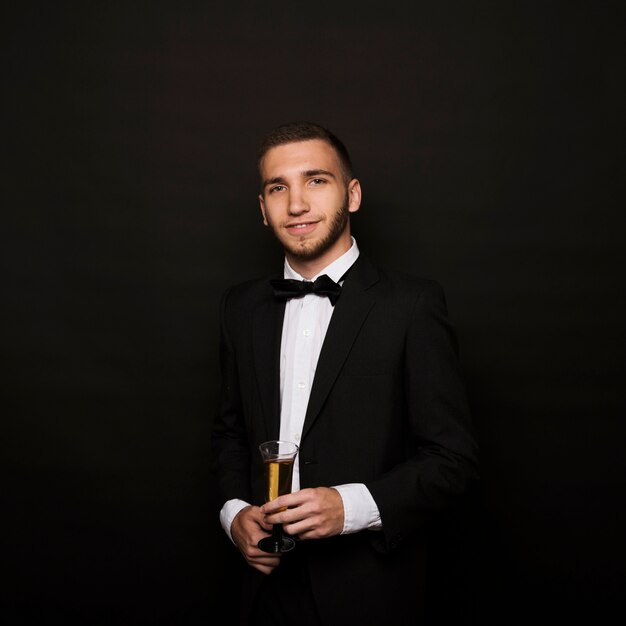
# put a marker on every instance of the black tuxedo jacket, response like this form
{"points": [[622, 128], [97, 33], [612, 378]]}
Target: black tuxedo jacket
{"points": [[387, 408]]}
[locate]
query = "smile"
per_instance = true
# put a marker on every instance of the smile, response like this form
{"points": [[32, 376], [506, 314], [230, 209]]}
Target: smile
{"points": [[301, 228]]}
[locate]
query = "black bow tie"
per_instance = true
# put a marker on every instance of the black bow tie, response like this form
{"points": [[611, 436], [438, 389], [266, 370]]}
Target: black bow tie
{"points": [[287, 288]]}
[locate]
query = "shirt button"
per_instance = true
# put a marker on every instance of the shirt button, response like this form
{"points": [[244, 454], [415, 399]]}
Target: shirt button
{"points": [[301, 385], [296, 436], [306, 332]]}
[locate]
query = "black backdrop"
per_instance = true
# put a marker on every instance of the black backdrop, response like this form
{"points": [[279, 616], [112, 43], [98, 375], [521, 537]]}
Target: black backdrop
{"points": [[489, 141]]}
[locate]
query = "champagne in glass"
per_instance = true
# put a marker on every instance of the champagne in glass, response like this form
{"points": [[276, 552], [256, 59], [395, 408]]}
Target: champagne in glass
{"points": [[278, 459]]}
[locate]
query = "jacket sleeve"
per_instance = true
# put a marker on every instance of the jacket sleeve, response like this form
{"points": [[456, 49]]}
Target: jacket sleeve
{"points": [[443, 463], [230, 455]]}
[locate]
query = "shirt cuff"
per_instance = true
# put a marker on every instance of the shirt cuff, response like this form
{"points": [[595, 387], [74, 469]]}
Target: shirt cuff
{"points": [[359, 509], [228, 513]]}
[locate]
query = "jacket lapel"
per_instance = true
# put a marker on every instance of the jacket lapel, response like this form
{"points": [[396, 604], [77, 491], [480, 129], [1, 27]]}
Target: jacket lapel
{"points": [[266, 336], [350, 312]]}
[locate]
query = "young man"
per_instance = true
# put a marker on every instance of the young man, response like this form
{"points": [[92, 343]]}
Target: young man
{"points": [[364, 377]]}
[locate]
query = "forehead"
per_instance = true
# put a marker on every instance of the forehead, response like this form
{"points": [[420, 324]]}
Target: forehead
{"points": [[300, 156]]}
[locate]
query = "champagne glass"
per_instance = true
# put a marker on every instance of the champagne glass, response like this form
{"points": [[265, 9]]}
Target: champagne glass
{"points": [[278, 459]]}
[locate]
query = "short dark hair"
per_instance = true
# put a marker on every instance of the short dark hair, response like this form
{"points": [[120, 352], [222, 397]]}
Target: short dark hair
{"points": [[305, 131]]}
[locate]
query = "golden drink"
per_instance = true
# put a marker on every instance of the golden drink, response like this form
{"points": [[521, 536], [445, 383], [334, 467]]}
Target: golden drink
{"points": [[277, 477], [278, 458]]}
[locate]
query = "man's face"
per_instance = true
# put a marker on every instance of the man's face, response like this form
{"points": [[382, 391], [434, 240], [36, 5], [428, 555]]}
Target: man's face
{"points": [[306, 201]]}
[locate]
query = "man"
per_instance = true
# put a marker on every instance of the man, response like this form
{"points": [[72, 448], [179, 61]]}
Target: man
{"points": [[366, 382]]}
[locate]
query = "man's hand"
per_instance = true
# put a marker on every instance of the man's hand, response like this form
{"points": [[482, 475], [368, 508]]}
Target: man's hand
{"points": [[247, 528], [311, 513]]}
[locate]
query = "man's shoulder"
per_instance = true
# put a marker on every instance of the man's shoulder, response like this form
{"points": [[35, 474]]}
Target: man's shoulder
{"points": [[401, 291], [402, 281], [248, 292]]}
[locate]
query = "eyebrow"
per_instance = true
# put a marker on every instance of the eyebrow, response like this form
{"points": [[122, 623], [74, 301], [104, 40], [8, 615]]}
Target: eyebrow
{"points": [[318, 173], [280, 180]]}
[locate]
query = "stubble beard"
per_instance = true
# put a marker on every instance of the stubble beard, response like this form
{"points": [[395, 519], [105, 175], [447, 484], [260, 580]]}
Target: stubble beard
{"points": [[306, 250]]}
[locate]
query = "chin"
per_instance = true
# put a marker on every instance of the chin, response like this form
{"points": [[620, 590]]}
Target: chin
{"points": [[302, 252], [309, 251]]}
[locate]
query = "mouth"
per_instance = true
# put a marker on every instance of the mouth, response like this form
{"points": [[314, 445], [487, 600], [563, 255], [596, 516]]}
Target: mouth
{"points": [[300, 228]]}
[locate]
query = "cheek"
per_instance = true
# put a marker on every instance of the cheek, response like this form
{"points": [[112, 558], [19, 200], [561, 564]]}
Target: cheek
{"points": [[266, 212], [271, 216], [335, 204]]}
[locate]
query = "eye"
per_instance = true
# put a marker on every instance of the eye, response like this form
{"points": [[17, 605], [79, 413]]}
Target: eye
{"points": [[276, 188], [318, 181]]}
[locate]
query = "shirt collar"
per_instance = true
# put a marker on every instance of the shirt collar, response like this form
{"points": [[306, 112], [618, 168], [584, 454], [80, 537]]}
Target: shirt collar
{"points": [[335, 270]]}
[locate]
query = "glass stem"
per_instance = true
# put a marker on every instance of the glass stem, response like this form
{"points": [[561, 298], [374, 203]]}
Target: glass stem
{"points": [[277, 532]]}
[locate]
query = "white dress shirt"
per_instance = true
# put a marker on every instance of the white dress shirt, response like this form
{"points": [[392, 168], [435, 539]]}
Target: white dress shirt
{"points": [[304, 328]]}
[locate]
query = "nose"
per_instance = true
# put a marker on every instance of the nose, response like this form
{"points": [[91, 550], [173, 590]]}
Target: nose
{"points": [[298, 203]]}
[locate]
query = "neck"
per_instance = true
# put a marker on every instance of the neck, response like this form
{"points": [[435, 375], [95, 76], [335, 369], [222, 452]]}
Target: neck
{"points": [[307, 268]]}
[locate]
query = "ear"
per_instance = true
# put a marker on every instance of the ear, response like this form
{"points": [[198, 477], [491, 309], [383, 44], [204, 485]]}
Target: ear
{"points": [[354, 195], [262, 205]]}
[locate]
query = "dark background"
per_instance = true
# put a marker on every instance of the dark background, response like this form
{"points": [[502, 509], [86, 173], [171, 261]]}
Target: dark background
{"points": [[489, 140]]}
